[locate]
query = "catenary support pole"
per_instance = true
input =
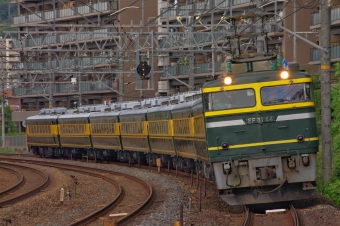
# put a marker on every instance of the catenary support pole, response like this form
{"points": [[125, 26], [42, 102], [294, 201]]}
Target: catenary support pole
{"points": [[50, 98], [326, 91], [3, 102], [294, 37], [121, 68]]}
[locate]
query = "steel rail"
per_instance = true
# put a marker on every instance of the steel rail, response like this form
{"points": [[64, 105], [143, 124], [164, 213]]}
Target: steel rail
{"points": [[247, 217], [294, 215], [32, 191], [19, 183], [89, 171]]}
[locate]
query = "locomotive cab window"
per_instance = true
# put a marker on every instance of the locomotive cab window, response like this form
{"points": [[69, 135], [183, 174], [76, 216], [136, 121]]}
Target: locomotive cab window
{"points": [[226, 100], [286, 94]]}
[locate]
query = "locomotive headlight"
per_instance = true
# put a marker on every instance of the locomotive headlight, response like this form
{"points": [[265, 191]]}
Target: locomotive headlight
{"points": [[284, 74], [228, 80]]}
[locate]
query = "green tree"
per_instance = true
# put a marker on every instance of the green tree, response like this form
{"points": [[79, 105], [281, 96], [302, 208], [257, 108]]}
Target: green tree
{"points": [[10, 126]]}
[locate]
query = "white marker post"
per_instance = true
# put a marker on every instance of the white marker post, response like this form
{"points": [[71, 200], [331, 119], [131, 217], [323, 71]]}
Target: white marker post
{"points": [[62, 193]]}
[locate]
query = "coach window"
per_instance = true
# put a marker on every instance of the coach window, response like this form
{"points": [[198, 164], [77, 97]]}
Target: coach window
{"points": [[286, 94], [233, 99]]}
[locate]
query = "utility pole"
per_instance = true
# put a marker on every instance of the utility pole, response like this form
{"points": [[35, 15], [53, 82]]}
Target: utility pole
{"points": [[294, 38], [80, 98], [259, 39], [3, 102], [121, 68], [50, 99], [325, 33]]}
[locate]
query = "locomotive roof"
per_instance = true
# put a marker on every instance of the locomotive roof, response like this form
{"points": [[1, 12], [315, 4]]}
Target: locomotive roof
{"points": [[256, 77]]}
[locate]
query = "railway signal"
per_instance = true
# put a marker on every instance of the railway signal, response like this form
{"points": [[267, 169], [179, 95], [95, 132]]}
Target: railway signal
{"points": [[143, 69]]}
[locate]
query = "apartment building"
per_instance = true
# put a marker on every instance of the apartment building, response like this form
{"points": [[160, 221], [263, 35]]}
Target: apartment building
{"points": [[75, 49], [83, 63], [315, 25], [177, 15], [8, 79]]}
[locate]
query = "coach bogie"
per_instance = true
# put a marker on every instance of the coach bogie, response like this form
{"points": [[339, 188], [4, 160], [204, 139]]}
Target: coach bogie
{"points": [[58, 152], [124, 156], [109, 155], [41, 151], [151, 159], [35, 150], [165, 159], [95, 154], [49, 152], [184, 164], [74, 153]]}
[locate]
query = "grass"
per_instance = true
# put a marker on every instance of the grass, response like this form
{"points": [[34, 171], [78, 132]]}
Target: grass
{"points": [[5, 150]]}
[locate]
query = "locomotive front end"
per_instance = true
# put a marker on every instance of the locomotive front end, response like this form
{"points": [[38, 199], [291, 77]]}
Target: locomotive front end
{"points": [[261, 136]]}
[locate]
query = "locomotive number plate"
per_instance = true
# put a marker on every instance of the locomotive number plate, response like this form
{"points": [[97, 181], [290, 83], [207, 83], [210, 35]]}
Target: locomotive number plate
{"points": [[260, 120]]}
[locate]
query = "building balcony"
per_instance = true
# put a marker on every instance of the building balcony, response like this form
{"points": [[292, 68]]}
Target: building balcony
{"points": [[58, 39], [315, 54], [180, 70], [66, 89], [64, 13], [316, 17], [80, 63], [196, 7]]}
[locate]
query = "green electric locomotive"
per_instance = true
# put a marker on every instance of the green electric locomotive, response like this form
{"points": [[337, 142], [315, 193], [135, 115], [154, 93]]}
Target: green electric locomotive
{"points": [[261, 135]]}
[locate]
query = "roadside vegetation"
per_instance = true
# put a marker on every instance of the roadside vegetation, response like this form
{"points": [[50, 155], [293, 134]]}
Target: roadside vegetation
{"points": [[330, 190], [6, 150]]}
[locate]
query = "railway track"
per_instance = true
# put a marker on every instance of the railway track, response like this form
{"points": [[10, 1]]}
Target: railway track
{"points": [[287, 217], [194, 177], [30, 181], [133, 194], [11, 186]]}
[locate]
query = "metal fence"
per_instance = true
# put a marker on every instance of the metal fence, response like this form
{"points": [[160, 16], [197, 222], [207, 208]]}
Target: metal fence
{"points": [[14, 142]]}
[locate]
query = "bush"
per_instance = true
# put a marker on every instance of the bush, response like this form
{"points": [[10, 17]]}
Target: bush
{"points": [[331, 190]]}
